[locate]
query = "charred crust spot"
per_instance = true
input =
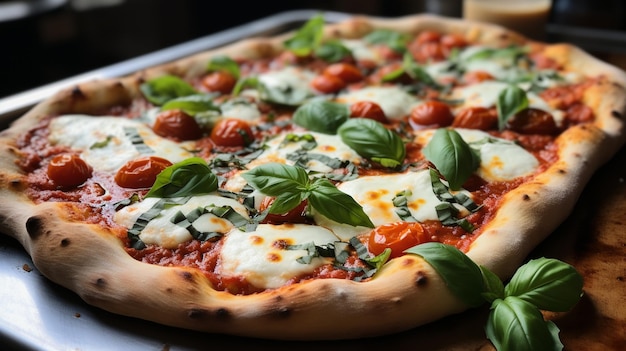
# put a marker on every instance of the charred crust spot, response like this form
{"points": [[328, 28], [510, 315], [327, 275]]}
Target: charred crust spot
{"points": [[526, 197], [278, 298], [187, 276], [16, 183], [283, 312], [101, 283], [421, 280], [196, 313], [34, 227], [169, 290], [616, 114], [222, 313], [65, 242], [77, 93]]}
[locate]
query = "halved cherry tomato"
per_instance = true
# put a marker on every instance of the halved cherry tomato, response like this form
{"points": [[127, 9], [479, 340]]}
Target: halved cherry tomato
{"points": [[141, 172], [295, 215], [431, 113], [397, 236], [476, 118], [327, 84], [176, 124], [533, 121], [219, 81], [231, 132], [368, 109], [68, 170], [347, 72]]}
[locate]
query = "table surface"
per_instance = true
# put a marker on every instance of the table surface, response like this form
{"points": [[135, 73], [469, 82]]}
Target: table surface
{"points": [[36, 314]]}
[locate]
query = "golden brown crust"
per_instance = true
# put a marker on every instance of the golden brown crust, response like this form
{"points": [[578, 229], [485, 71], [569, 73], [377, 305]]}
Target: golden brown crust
{"points": [[93, 263]]}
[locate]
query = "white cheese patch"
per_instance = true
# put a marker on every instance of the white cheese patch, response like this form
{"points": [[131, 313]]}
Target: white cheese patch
{"points": [[289, 84], [161, 231], [375, 194], [81, 132], [243, 110], [262, 258], [362, 51], [394, 101], [500, 159]]}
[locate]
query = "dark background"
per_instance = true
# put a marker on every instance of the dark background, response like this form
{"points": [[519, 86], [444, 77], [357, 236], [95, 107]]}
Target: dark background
{"points": [[55, 39]]}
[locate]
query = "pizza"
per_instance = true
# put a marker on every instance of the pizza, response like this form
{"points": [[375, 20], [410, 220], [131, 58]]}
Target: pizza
{"points": [[280, 187]]}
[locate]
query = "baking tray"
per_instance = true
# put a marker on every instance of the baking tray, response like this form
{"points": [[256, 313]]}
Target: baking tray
{"points": [[37, 314]]}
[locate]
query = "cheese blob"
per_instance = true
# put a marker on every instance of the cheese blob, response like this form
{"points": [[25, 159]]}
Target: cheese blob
{"points": [[105, 142], [161, 231], [264, 258], [394, 101], [289, 85]]}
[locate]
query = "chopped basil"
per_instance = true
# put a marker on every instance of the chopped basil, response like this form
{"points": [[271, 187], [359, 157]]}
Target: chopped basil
{"points": [[510, 101], [145, 218], [309, 141], [186, 178], [133, 135], [321, 116], [400, 202], [165, 88], [372, 140], [452, 156], [101, 144]]}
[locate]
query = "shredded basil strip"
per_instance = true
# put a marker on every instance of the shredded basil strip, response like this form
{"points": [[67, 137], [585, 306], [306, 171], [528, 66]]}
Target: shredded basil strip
{"points": [[133, 135], [101, 144], [400, 202], [225, 212], [302, 159], [145, 218]]}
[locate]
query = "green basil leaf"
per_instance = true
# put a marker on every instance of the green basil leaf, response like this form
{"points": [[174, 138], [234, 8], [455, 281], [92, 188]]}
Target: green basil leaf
{"points": [[371, 139], [395, 40], [307, 37], [462, 276], [336, 205], [282, 94], [332, 51], [226, 64], [247, 82], [379, 261], [452, 157], [162, 89], [417, 71], [287, 201], [510, 101], [494, 288], [192, 104], [321, 116], [186, 178], [517, 325], [549, 284], [275, 179]]}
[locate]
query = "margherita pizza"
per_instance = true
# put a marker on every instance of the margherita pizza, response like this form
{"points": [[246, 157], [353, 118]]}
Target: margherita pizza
{"points": [[282, 187]]}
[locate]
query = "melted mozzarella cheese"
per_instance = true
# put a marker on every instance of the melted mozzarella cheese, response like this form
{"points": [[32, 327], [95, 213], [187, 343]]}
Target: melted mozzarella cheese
{"points": [[262, 258], [394, 101], [500, 159], [361, 51], [375, 194], [241, 110], [82, 133], [290, 84], [161, 231]]}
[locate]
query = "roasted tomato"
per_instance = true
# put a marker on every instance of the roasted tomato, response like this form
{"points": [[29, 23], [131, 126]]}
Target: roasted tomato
{"points": [[476, 118], [533, 121], [327, 84], [347, 72], [219, 81], [141, 172], [431, 113], [295, 215], [232, 132], [68, 170], [178, 125], [368, 109], [397, 236]]}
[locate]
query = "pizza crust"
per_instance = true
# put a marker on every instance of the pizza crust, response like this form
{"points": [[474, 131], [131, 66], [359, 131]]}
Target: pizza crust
{"points": [[406, 293]]}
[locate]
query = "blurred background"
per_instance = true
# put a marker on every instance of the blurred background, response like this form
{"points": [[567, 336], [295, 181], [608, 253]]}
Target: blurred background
{"points": [[42, 41]]}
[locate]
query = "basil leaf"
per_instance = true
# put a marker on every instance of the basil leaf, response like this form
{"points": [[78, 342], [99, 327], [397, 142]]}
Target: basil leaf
{"points": [[336, 205], [287, 201], [548, 284], [226, 64], [462, 276], [452, 157], [371, 139], [510, 101], [192, 104], [494, 288], [332, 51], [275, 179], [515, 324], [247, 82], [162, 89], [417, 71], [282, 94], [307, 38], [186, 178], [395, 40], [321, 116]]}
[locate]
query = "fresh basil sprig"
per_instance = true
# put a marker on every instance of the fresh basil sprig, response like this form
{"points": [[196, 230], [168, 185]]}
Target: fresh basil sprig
{"points": [[372, 140], [224, 63], [307, 38], [186, 178], [510, 101], [192, 104], [291, 185], [395, 40], [452, 156], [332, 51], [321, 116], [515, 321], [165, 88]]}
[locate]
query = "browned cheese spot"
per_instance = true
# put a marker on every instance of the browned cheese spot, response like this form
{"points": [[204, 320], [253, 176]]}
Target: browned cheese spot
{"points": [[421, 280], [34, 227], [274, 257]]}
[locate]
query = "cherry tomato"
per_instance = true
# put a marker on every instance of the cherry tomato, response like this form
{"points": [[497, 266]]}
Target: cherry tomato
{"points": [[327, 84], [68, 170], [476, 118], [475, 77], [295, 215], [431, 113], [176, 124], [231, 132], [451, 41], [427, 36], [141, 172], [219, 81], [397, 236], [533, 121], [347, 72], [368, 109]]}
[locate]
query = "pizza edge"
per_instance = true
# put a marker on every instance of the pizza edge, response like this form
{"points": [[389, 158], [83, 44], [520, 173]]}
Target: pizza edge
{"points": [[93, 264]]}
